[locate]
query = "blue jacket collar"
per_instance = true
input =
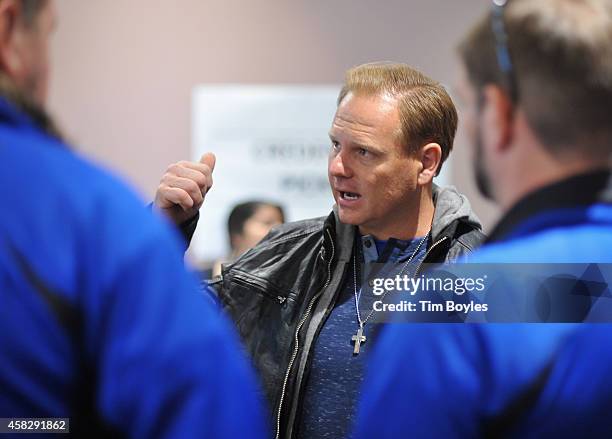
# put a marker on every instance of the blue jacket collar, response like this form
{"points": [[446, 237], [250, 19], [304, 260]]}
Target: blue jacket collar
{"points": [[11, 115], [577, 191]]}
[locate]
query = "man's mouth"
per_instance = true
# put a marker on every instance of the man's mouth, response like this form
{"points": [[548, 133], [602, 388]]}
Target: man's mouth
{"points": [[349, 196]]}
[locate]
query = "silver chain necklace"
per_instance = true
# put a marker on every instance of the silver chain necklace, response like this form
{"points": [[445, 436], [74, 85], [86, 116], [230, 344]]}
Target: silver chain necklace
{"points": [[359, 337]]}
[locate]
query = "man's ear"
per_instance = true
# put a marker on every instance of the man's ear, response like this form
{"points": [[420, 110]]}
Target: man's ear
{"points": [[497, 117], [10, 58], [430, 156]]}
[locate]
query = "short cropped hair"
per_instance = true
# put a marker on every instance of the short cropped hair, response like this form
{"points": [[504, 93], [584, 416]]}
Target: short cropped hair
{"points": [[561, 53], [427, 113]]}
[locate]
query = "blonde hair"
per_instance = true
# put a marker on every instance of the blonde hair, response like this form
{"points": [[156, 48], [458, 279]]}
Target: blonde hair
{"points": [[427, 113]]}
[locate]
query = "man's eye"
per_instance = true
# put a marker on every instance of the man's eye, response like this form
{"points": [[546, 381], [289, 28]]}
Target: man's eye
{"points": [[363, 152], [335, 145]]}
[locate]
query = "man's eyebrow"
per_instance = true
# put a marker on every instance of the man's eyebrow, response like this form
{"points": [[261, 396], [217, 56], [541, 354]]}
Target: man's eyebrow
{"points": [[368, 146], [356, 143]]}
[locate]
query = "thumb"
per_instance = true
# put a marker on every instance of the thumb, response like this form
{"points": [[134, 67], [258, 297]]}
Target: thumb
{"points": [[209, 159]]}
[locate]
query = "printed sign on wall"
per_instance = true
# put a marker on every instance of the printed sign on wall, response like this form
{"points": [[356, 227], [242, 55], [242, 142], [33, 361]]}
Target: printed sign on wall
{"points": [[271, 144]]}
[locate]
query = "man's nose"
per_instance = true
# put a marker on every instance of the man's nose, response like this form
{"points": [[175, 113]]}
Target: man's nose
{"points": [[338, 166]]}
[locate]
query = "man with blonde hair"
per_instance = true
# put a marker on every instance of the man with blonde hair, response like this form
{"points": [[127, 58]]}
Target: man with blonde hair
{"points": [[296, 297]]}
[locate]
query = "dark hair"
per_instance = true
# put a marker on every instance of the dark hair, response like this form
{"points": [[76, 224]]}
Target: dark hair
{"points": [[561, 52], [427, 113], [241, 213]]}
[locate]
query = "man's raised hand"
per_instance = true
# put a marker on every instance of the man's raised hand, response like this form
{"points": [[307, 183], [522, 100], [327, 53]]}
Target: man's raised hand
{"points": [[182, 189]]}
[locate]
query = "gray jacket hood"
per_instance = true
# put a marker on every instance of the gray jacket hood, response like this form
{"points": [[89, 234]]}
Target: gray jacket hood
{"points": [[451, 206]]}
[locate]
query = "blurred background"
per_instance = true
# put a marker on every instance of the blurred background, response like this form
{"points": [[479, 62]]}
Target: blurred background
{"points": [[125, 71]]}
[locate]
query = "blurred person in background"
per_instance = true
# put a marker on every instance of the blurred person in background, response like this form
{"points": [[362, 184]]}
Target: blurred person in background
{"points": [[99, 322], [248, 223], [295, 296], [536, 86]]}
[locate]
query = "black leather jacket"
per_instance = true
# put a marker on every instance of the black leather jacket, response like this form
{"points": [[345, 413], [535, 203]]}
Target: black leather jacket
{"points": [[280, 293]]}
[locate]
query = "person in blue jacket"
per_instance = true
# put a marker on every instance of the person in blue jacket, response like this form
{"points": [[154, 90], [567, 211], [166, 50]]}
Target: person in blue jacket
{"points": [[99, 321], [536, 89]]}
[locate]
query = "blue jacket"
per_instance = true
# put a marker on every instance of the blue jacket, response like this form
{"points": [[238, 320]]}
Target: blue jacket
{"points": [[512, 380], [99, 322]]}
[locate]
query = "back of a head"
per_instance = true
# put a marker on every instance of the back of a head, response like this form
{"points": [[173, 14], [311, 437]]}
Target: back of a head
{"points": [[21, 87], [427, 113], [561, 56]]}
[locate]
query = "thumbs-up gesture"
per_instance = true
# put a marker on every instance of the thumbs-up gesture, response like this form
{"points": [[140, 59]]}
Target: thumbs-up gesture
{"points": [[182, 189]]}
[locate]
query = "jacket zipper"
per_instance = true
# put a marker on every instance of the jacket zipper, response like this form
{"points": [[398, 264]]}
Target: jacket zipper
{"points": [[427, 253], [296, 338], [264, 291]]}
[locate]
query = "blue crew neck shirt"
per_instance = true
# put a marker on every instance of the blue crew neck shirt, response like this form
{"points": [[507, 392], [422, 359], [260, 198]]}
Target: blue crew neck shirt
{"points": [[336, 374]]}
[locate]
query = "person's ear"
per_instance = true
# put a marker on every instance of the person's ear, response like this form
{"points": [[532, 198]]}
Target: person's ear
{"points": [[497, 117], [430, 157], [10, 55]]}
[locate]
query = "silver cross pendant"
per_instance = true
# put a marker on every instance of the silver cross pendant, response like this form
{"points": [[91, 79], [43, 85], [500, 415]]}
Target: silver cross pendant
{"points": [[357, 339]]}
